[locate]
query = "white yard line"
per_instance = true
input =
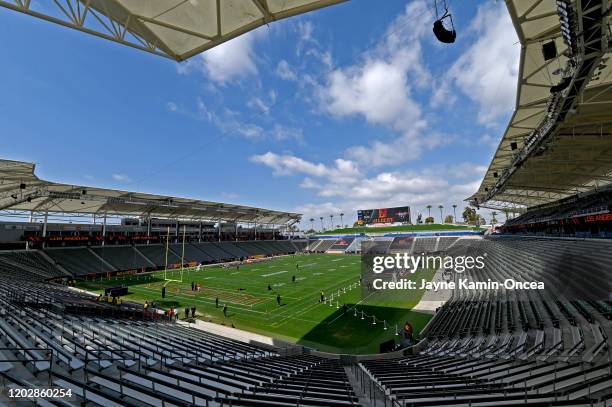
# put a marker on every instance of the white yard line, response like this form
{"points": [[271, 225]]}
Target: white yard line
{"points": [[273, 274]]}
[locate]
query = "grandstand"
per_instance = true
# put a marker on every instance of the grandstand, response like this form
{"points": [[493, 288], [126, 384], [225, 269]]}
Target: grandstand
{"points": [[473, 347]]}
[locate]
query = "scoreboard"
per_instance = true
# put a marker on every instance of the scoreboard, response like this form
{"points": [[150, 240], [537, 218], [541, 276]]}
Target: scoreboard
{"points": [[399, 214]]}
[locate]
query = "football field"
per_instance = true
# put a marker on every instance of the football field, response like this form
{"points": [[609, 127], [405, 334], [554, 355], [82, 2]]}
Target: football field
{"points": [[250, 292]]}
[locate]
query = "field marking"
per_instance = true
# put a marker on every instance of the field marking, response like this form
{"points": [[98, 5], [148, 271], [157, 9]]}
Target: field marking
{"points": [[340, 259], [285, 318], [251, 287], [272, 316], [196, 299], [275, 273], [353, 307], [262, 294]]}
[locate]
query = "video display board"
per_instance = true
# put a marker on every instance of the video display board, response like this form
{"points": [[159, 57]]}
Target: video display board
{"points": [[399, 214]]}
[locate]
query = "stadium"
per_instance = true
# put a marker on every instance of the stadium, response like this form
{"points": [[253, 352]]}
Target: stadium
{"points": [[115, 297]]}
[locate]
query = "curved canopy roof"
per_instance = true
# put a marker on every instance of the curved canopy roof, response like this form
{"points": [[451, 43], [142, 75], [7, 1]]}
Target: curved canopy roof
{"points": [[178, 29], [559, 139], [22, 190]]}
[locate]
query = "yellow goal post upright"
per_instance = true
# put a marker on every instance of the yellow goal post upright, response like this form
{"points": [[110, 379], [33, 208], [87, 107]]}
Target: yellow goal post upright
{"points": [[170, 278]]}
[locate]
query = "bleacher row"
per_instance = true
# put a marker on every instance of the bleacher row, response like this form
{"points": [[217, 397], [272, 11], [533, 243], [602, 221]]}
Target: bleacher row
{"points": [[427, 380], [561, 322], [482, 348], [31, 262], [109, 361], [416, 245], [515, 347], [57, 262]]}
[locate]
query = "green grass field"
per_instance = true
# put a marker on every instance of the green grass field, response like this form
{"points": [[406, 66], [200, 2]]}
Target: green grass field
{"points": [[403, 228], [300, 318]]}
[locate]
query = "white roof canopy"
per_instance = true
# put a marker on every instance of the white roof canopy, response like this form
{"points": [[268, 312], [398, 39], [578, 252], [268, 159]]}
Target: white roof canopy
{"points": [[558, 142], [178, 29], [21, 190]]}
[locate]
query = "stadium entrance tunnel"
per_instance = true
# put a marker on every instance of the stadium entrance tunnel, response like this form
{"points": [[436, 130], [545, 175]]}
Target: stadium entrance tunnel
{"points": [[361, 328]]}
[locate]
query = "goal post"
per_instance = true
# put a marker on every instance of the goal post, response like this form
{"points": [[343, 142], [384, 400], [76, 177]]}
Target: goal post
{"points": [[170, 276]]}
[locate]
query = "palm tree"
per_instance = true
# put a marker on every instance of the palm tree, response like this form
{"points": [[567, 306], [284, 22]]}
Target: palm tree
{"points": [[441, 217], [331, 221], [312, 223], [428, 210], [455, 213], [322, 228], [341, 221], [493, 219]]}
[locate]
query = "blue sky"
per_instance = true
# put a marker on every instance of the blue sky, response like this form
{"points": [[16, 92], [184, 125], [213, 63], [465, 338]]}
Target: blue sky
{"points": [[352, 106]]}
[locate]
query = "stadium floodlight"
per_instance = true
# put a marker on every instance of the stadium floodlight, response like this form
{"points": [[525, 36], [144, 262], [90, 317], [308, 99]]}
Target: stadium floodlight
{"points": [[173, 29]]}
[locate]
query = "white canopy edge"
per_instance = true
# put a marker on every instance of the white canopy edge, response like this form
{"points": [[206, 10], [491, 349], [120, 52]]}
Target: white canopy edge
{"points": [[556, 144], [177, 29], [22, 190]]}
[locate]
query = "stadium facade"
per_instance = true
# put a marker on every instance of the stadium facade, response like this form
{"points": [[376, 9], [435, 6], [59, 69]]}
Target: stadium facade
{"points": [[482, 347]]}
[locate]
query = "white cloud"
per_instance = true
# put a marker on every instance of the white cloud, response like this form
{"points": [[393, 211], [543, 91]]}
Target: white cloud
{"points": [[263, 103], [285, 71], [378, 90], [288, 165], [173, 107], [230, 195], [229, 122], [488, 140], [487, 72], [282, 133], [259, 104], [345, 187], [305, 29], [121, 178], [404, 148], [380, 87], [248, 130], [227, 62]]}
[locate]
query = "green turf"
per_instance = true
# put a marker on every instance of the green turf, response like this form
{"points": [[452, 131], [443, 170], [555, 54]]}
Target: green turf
{"points": [[300, 318], [403, 228]]}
